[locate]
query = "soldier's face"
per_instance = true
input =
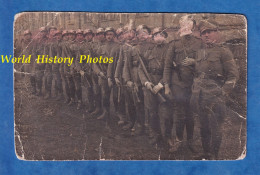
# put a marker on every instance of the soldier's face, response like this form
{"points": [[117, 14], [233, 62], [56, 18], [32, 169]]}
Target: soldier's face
{"points": [[52, 32], [130, 35], [58, 37], [42, 34], [110, 36], [28, 37], [65, 37], [89, 36], [209, 36], [72, 37], [143, 35], [159, 38], [100, 37], [80, 37]]}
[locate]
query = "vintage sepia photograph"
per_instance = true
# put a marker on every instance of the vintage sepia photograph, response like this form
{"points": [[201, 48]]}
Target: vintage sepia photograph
{"points": [[130, 86]]}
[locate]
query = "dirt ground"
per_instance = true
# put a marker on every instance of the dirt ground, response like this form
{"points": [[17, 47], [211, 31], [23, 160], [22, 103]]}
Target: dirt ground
{"points": [[52, 130]]}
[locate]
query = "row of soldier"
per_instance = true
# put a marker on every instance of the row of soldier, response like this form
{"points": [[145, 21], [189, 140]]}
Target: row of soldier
{"points": [[154, 85]]}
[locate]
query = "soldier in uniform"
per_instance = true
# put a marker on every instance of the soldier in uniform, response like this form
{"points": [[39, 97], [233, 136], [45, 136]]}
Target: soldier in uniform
{"points": [[76, 49], [132, 54], [47, 78], [38, 49], [151, 76], [178, 79], [87, 72], [69, 69], [25, 48], [56, 50], [100, 40], [105, 74], [116, 89], [215, 76]]}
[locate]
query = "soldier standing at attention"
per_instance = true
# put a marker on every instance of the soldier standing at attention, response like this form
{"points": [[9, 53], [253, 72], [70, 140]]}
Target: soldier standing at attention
{"points": [[38, 49], [47, 78], [101, 69], [151, 76], [100, 40], [131, 77], [87, 72], [76, 49], [126, 51], [216, 74], [178, 77], [26, 49], [63, 66], [56, 50]]}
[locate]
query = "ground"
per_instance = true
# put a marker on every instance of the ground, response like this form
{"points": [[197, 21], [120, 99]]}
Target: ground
{"points": [[52, 130]]}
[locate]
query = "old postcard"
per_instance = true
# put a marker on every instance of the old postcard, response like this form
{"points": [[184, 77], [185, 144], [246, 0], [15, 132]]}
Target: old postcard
{"points": [[129, 86]]}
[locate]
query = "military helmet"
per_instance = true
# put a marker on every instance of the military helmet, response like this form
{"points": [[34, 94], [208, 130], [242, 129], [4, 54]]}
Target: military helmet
{"points": [[26, 32], [52, 27], [65, 32], [42, 29], [88, 31], [120, 31], [143, 27], [58, 32], [159, 30], [79, 31], [100, 30], [110, 29], [72, 32], [205, 25]]}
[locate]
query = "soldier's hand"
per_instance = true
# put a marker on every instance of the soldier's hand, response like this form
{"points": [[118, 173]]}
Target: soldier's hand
{"points": [[102, 75], [130, 84], [82, 73], [149, 86], [110, 83], [157, 88], [188, 61], [168, 92], [118, 83]]}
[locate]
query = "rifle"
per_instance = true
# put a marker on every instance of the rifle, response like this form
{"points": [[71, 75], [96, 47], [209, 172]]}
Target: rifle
{"points": [[159, 95]]}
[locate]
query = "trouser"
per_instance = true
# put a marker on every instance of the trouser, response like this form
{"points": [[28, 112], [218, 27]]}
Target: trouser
{"points": [[105, 93], [211, 121], [182, 112], [135, 106], [119, 99], [97, 92], [64, 83], [47, 79], [208, 103], [71, 86], [39, 78], [56, 80], [88, 84], [77, 83]]}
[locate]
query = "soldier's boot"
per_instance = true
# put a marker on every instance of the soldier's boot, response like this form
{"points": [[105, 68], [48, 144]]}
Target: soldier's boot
{"points": [[103, 115], [90, 107], [137, 129], [72, 101], [67, 101], [154, 139], [176, 146], [128, 126], [79, 105], [96, 111], [191, 146], [47, 95], [122, 119], [33, 90], [39, 93]]}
